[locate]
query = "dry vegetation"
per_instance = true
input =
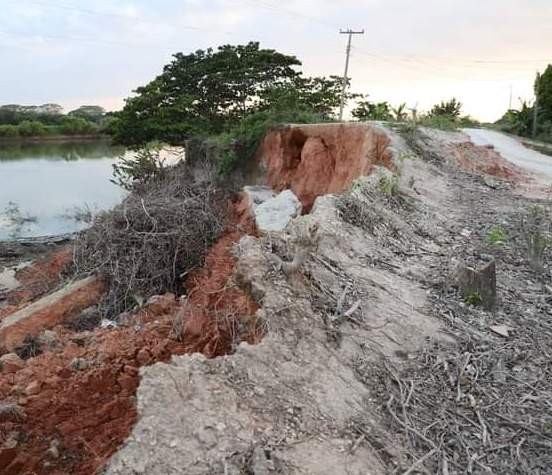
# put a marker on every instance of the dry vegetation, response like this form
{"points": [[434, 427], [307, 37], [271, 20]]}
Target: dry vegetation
{"points": [[148, 244]]}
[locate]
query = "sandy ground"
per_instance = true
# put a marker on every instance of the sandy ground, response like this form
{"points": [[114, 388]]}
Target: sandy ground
{"points": [[512, 150]]}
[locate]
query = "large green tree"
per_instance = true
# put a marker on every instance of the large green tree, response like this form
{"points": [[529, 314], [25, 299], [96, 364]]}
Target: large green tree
{"points": [[317, 95], [543, 89], [202, 93]]}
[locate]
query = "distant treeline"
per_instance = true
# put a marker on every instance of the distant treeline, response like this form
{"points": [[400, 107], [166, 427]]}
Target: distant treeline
{"points": [[48, 119]]}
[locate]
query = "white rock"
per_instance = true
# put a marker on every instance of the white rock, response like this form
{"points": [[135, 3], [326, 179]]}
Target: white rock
{"points": [[258, 194], [274, 214]]}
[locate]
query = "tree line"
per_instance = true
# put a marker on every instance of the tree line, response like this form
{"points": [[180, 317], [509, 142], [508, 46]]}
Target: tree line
{"points": [[36, 121], [232, 94]]}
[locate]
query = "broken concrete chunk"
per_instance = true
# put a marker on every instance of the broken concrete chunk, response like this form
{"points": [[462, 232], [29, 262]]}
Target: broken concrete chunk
{"points": [[258, 194], [11, 363], [275, 213], [502, 330], [48, 338], [478, 283], [79, 364]]}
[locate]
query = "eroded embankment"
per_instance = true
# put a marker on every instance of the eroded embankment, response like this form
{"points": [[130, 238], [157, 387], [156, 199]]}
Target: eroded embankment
{"points": [[68, 409], [314, 160], [74, 405]]}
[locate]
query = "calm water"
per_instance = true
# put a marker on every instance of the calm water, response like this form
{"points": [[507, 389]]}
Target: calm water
{"points": [[43, 184]]}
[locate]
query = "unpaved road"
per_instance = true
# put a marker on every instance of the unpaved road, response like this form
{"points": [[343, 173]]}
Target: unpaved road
{"points": [[514, 151]]}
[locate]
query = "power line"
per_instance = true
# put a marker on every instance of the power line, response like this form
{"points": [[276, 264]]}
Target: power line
{"points": [[60, 6], [29, 35]]}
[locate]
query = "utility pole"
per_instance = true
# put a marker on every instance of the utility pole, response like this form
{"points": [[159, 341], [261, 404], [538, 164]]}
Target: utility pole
{"points": [[347, 54], [510, 103], [536, 107]]}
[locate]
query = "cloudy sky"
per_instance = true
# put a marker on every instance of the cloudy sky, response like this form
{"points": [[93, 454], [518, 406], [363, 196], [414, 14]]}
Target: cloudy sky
{"points": [[75, 52]]}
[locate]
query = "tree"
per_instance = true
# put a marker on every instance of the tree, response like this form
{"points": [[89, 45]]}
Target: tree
{"points": [[203, 92], [400, 113], [451, 108], [31, 128], [519, 122], [77, 126], [9, 131], [316, 95], [543, 90], [366, 110], [90, 113]]}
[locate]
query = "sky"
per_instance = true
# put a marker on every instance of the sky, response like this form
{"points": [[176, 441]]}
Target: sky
{"points": [[419, 52]]}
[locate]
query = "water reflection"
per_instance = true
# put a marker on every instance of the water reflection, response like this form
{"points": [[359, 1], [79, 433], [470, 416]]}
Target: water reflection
{"points": [[45, 188]]}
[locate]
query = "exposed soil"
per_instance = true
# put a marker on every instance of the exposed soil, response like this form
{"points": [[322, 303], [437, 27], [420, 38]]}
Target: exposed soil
{"points": [[375, 287], [478, 159], [78, 395], [313, 160]]}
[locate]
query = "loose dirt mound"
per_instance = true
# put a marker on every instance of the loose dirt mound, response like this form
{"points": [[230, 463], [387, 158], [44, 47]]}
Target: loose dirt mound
{"points": [[313, 160]]}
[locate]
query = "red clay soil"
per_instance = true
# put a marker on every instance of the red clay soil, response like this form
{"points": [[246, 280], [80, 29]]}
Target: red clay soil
{"points": [[478, 159], [78, 412], [39, 278], [314, 160]]}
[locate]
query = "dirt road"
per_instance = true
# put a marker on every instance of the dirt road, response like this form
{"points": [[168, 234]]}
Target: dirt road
{"points": [[514, 151]]}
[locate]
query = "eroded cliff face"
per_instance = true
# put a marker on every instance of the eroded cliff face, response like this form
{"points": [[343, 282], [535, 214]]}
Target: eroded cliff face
{"points": [[314, 160]]}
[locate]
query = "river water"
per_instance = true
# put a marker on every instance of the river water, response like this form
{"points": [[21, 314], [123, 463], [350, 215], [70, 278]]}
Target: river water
{"points": [[51, 188]]}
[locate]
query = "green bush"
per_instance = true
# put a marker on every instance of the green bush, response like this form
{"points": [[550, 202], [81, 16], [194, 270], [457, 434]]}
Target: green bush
{"points": [[237, 147], [77, 126], [496, 236], [146, 164], [31, 128], [9, 131], [442, 122]]}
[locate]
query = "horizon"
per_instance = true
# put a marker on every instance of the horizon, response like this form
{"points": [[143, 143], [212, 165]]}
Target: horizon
{"points": [[418, 54]]}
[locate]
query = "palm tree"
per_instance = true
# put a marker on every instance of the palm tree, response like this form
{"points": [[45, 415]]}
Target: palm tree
{"points": [[399, 112]]}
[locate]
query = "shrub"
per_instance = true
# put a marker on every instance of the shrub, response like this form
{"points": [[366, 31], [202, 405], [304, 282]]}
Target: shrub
{"points": [[77, 126], [389, 184], [496, 235], [442, 122], [451, 108], [474, 298], [9, 131], [134, 171], [236, 148], [31, 128]]}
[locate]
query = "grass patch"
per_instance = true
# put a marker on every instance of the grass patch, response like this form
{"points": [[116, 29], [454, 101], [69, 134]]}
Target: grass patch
{"points": [[496, 236], [474, 299]]}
